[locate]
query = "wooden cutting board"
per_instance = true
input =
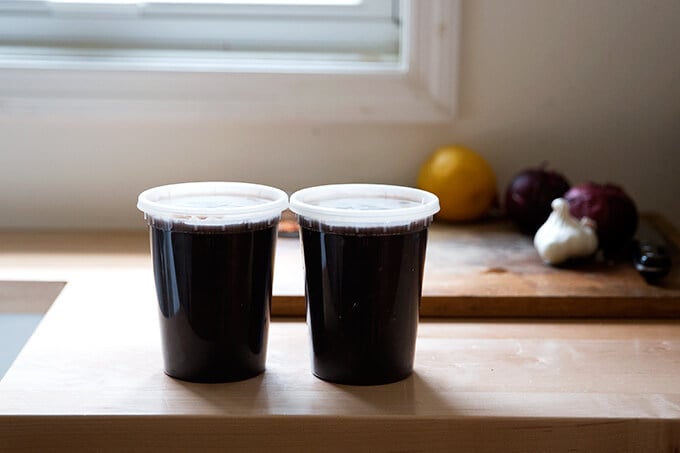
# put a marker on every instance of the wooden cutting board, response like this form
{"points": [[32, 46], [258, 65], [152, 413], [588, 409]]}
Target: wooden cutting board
{"points": [[490, 270]]}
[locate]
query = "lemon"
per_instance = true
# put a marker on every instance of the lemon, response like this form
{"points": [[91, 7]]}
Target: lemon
{"points": [[462, 179]]}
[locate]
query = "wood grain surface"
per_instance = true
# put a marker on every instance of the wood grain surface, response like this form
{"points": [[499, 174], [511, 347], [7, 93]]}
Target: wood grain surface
{"points": [[90, 378], [475, 270], [490, 270]]}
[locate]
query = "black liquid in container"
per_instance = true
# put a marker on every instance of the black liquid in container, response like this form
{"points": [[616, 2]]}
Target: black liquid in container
{"points": [[364, 254], [213, 249]]}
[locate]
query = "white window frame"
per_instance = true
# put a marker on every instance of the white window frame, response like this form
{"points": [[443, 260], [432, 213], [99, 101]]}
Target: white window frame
{"points": [[422, 89]]}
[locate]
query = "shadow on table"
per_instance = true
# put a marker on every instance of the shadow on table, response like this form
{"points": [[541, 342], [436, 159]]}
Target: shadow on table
{"points": [[250, 396], [415, 395], [272, 394]]}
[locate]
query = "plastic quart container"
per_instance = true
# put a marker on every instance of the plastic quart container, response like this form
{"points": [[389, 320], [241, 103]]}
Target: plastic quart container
{"points": [[213, 245], [364, 253]]}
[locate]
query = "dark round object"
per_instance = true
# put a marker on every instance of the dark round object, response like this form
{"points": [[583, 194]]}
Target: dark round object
{"points": [[610, 207], [529, 195]]}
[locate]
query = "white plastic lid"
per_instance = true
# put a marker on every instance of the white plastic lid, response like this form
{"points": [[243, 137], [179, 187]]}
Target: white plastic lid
{"points": [[364, 205], [213, 203]]}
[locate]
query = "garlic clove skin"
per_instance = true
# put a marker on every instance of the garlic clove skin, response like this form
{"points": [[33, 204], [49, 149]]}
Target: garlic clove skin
{"points": [[563, 237]]}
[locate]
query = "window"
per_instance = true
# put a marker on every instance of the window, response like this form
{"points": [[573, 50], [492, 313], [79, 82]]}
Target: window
{"points": [[213, 35], [376, 60]]}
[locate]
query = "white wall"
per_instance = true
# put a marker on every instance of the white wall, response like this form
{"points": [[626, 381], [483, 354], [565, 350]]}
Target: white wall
{"points": [[592, 87]]}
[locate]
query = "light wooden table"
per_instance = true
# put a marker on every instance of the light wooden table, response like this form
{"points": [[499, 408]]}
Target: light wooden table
{"points": [[91, 376]]}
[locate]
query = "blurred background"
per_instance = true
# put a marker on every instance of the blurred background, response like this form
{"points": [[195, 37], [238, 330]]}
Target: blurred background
{"points": [[592, 88]]}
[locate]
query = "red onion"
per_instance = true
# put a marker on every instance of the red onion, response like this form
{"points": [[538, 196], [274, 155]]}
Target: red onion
{"points": [[610, 207], [529, 195]]}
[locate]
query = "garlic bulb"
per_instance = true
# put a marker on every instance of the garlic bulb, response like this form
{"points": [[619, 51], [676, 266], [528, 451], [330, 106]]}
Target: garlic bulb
{"points": [[562, 236]]}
